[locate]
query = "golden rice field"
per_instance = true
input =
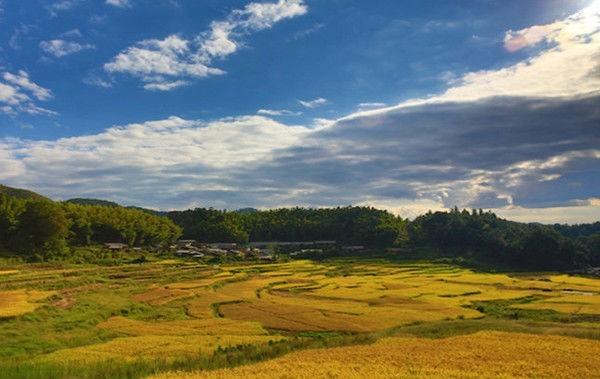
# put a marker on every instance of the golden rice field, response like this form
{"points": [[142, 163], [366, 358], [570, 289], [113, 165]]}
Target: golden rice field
{"points": [[18, 302], [480, 355], [342, 318]]}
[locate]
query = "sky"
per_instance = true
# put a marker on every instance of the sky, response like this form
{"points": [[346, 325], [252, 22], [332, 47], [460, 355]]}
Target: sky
{"points": [[409, 105]]}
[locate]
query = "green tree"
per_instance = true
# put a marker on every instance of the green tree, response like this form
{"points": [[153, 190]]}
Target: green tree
{"points": [[42, 229]]}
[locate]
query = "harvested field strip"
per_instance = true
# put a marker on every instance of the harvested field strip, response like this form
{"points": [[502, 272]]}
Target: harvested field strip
{"points": [[290, 318]]}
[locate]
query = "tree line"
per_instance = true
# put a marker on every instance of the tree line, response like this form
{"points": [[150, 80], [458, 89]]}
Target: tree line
{"points": [[349, 225], [42, 228], [474, 235], [482, 236]]}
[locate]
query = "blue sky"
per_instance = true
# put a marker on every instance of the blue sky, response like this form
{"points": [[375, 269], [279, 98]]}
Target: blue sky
{"points": [[410, 105]]}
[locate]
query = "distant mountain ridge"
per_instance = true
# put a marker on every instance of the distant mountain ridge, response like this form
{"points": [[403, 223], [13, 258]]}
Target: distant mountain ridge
{"points": [[21, 193]]}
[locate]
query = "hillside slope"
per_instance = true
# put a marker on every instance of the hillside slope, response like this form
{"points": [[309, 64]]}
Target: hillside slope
{"points": [[21, 193]]}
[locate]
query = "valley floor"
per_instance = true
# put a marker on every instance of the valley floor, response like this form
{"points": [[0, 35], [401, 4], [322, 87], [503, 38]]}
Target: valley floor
{"points": [[342, 318]]}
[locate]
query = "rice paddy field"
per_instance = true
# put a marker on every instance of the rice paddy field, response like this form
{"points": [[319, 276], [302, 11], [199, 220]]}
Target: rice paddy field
{"points": [[301, 319]]}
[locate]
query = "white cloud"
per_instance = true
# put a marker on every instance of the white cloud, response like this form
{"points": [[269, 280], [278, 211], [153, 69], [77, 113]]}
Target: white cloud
{"points": [[550, 73], [367, 106], [73, 33], [307, 32], [408, 208], [574, 29], [19, 94], [313, 103], [119, 3], [153, 60], [277, 112], [12, 168], [180, 155], [552, 215], [178, 58], [22, 80], [94, 80], [166, 85], [19, 33], [61, 5], [520, 39], [60, 48], [319, 123]]}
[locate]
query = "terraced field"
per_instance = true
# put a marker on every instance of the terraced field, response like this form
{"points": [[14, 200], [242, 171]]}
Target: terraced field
{"points": [[176, 318], [482, 355]]}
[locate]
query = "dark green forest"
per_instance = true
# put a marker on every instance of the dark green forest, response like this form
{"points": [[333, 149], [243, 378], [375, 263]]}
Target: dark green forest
{"points": [[348, 225], [40, 229], [473, 235]]}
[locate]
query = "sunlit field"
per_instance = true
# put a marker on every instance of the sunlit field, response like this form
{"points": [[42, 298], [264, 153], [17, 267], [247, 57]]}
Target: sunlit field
{"points": [[341, 318], [480, 355]]}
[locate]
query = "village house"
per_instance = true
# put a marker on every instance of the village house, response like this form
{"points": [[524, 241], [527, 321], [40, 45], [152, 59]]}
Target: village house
{"points": [[353, 248], [115, 246], [223, 245], [264, 244], [185, 243]]}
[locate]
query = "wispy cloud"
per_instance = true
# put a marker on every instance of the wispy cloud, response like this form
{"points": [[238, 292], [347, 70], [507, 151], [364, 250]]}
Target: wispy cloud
{"points": [[18, 34], [60, 6], [165, 85], [94, 80], [368, 106], [307, 32], [277, 112], [60, 47], [119, 3], [73, 33], [176, 57], [319, 101], [19, 94]]}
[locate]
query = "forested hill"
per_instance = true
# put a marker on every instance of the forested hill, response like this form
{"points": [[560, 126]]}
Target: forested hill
{"points": [[20, 193], [41, 229]]}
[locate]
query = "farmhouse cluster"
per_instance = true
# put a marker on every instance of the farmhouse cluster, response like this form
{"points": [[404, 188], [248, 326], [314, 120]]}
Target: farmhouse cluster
{"points": [[262, 250]]}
